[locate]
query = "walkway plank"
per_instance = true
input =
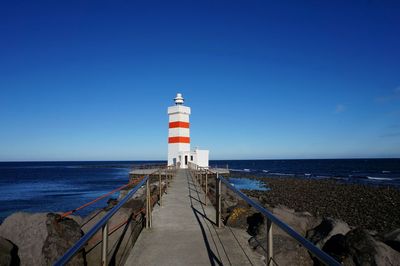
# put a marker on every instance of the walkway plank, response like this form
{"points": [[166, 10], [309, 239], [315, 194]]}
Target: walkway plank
{"points": [[184, 232]]}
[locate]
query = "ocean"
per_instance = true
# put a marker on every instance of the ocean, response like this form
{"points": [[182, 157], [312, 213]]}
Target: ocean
{"points": [[64, 186]]}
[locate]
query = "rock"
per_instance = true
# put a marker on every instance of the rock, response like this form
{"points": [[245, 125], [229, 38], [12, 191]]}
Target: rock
{"points": [[255, 222], [286, 250], [325, 230], [62, 234], [8, 253], [336, 247], [392, 239], [39, 239], [111, 203], [363, 249], [28, 231], [299, 221], [237, 217]]}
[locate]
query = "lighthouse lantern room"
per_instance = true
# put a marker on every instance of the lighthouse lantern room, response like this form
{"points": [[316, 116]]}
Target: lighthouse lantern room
{"points": [[179, 153]]}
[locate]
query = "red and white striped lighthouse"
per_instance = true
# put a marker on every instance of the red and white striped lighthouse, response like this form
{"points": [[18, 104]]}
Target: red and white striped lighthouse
{"points": [[179, 133]]}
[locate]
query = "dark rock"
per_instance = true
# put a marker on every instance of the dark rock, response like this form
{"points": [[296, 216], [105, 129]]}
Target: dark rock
{"points": [[8, 253], [336, 247], [363, 249], [111, 203], [255, 222], [392, 239], [325, 230], [238, 217], [62, 234]]}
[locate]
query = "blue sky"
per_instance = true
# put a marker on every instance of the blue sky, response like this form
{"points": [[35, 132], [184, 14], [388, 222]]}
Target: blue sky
{"points": [[91, 80]]}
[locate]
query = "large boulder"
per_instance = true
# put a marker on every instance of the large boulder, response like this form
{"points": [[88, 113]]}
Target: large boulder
{"points": [[299, 221], [8, 253], [325, 230], [363, 249], [28, 231], [40, 239], [61, 235]]}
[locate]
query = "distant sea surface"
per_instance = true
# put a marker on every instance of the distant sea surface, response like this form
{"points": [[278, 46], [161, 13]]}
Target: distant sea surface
{"points": [[64, 186], [58, 186], [366, 171]]}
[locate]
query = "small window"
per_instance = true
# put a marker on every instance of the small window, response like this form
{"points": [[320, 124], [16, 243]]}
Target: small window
{"points": [[191, 157]]}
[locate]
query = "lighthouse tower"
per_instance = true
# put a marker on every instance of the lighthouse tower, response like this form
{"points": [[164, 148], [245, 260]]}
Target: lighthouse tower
{"points": [[179, 153], [178, 133]]}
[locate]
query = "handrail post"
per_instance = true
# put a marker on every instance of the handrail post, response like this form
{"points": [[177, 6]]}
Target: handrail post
{"points": [[168, 173], [218, 201], [104, 244], [270, 253], [201, 178], [166, 180], [160, 186], [148, 203], [206, 190]]}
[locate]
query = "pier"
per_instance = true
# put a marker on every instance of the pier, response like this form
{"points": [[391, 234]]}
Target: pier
{"points": [[184, 226], [184, 232], [180, 211]]}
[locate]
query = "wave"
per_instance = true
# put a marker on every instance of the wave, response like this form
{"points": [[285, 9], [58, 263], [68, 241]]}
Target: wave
{"points": [[378, 178], [239, 170], [282, 174]]}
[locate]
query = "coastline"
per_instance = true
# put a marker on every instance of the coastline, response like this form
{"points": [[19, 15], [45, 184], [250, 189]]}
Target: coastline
{"points": [[375, 208]]}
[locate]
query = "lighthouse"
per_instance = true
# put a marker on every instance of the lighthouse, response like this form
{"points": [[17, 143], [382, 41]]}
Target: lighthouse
{"points": [[179, 153]]}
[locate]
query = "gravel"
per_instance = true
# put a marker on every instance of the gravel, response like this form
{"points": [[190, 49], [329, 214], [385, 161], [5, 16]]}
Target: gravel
{"points": [[369, 207]]}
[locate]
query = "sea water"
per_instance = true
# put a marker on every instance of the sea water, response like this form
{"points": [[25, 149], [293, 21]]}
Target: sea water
{"points": [[64, 186]]}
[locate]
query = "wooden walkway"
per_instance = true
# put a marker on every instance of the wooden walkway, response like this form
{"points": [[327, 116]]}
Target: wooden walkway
{"points": [[184, 232]]}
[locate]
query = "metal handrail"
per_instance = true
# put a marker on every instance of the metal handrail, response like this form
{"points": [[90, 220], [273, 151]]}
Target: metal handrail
{"points": [[271, 219], [102, 224], [321, 255]]}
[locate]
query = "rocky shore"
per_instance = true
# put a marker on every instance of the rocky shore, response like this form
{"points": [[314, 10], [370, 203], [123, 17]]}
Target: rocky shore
{"points": [[374, 208], [355, 224], [42, 238]]}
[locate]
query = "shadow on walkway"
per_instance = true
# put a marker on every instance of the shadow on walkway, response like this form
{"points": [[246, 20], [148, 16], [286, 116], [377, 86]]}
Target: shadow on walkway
{"points": [[218, 250]]}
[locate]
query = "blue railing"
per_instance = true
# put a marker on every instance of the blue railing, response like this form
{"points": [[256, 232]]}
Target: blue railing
{"points": [[103, 224], [321, 255], [271, 219]]}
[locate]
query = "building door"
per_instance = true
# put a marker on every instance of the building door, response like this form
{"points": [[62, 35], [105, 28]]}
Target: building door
{"points": [[186, 159]]}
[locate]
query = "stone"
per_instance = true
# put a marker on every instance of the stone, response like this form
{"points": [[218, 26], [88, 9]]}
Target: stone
{"points": [[8, 253], [61, 235], [286, 250], [363, 249], [111, 202], [238, 217], [299, 221], [28, 231], [392, 239], [325, 230], [336, 247]]}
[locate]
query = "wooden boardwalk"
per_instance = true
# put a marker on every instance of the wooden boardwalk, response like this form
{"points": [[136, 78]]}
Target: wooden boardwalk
{"points": [[184, 232]]}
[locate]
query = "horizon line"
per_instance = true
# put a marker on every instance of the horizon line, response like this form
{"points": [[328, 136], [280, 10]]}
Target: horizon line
{"points": [[162, 160]]}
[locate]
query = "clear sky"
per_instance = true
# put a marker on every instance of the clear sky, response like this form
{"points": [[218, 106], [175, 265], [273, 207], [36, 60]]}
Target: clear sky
{"points": [[92, 80]]}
